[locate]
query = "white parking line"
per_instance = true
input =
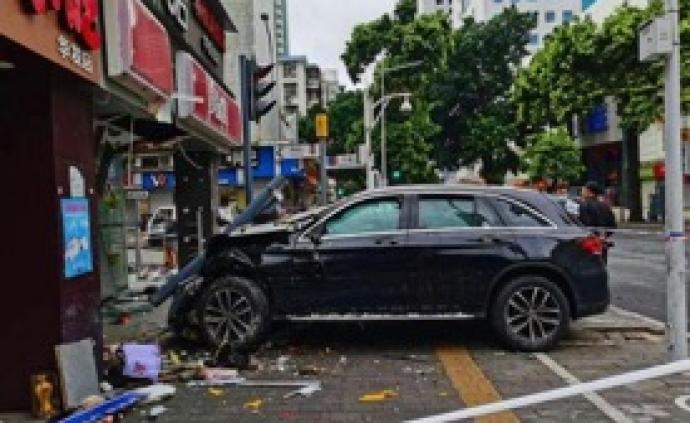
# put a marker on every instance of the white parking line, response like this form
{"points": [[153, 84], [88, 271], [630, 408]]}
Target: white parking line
{"points": [[649, 320], [560, 393], [597, 400]]}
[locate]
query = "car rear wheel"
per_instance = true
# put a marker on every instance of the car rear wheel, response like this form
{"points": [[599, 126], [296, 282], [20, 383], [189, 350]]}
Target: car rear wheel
{"points": [[530, 313], [234, 311]]}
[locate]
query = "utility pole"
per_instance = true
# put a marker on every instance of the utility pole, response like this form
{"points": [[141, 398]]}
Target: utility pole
{"points": [[246, 99], [322, 132], [368, 117], [384, 164], [675, 224]]}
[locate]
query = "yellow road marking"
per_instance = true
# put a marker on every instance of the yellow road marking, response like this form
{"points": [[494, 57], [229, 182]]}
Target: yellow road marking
{"points": [[471, 383]]}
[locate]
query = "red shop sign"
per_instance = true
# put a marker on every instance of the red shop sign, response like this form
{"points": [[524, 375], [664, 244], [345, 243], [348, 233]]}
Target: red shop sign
{"points": [[79, 16], [203, 101], [145, 54], [210, 22]]}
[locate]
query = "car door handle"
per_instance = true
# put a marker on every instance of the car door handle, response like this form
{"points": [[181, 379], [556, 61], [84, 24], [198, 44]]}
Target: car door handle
{"points": [[389, 241], [488, 239]]}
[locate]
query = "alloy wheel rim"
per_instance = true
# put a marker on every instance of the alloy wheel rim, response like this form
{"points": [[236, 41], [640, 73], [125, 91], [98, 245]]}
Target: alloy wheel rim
{"points": [[533, 313], [228, 315]]}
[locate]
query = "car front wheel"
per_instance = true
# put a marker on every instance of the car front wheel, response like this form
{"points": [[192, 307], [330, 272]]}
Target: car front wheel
{"points": [[530, 313], [233, 311]]}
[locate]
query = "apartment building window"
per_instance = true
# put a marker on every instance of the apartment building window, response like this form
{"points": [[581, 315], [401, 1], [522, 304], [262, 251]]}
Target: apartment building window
{"points": [[290, 93], [550, 16], [567, 16], [290, 70], [534, 39]]}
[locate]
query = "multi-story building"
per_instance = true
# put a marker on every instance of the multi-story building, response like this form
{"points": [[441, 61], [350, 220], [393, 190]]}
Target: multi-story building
{"points": [[549, 13], [330, 86], [281, 27], [599, 10], [313, 86]]}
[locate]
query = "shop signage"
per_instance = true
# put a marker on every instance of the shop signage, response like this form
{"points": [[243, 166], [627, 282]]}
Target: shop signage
{"points": [[179, 11], [205, 104], [210, 23], [138, 49], [65, 32], [79, 16], [197, 26]]}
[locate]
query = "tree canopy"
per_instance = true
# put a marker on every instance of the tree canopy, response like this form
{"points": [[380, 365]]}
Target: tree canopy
{"points": [[553, 156], [463, 85]]}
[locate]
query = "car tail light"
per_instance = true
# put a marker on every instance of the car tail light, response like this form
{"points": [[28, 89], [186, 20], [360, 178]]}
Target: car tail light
{"points": [[593, 244]]}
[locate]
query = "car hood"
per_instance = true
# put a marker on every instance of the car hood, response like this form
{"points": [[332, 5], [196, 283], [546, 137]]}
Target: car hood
{"points": [[289, 224]]}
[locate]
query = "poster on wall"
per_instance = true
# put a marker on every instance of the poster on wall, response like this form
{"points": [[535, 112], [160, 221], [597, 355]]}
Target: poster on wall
{"points": [[76, 232]]}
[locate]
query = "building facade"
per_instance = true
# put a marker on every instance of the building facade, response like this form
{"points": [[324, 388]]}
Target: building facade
{"points": [[50, 66], [282, 28], [549, 13], [330, 86]]}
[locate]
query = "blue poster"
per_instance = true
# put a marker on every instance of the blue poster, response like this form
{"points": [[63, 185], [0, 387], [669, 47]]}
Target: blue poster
{"points": [[76, 231]]}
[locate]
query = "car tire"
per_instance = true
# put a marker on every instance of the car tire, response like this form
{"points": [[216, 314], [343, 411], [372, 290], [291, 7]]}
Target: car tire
{"points": [[530, 313], [233, 311]]}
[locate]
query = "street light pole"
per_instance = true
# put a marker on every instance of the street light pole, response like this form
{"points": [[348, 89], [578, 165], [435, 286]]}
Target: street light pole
{"points": [[384, 164], [675, 225], [368, 161]]}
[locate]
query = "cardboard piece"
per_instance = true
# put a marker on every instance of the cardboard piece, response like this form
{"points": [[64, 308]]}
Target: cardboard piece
{"points": [[142, 361], [77, 369]]}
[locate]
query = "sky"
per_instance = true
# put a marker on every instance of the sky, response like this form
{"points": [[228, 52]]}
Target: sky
{"points": [[319, 29]]}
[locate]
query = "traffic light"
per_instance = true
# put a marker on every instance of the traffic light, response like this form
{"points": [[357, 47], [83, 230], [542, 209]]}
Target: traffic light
{"points": [[260, 89]]}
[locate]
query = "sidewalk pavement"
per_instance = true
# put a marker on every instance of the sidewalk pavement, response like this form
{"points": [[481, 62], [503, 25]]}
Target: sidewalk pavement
{"points": [[434, 367]]}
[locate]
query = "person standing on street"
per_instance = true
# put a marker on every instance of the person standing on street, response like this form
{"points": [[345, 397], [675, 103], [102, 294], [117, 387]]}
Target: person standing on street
{"points": [[594, 212]]}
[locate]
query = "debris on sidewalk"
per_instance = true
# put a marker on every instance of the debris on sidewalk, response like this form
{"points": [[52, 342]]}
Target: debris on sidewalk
{"points": [[156, 411], [304, 388], [142, 361], [215, 392], [106, 408], [379, 396], [421, 371], [311, 370], [214, 373], [77, 370], [156, 392], [282, 364], [305, 391], [44, 393], [253, 406]]}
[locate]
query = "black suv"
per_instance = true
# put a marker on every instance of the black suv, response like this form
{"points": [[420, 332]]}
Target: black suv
{"points": [[512, 256]]}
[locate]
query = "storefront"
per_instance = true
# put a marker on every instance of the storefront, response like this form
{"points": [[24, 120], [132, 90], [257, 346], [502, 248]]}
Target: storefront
{"points": [[167, 99], [50, 65]]}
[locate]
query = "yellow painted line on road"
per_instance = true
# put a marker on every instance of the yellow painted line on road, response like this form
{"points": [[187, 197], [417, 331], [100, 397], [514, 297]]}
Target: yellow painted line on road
{"points": [[471, 383]]}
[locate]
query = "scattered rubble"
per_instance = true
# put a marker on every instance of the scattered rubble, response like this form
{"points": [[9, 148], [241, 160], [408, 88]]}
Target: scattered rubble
{"points": [[379, 396]]}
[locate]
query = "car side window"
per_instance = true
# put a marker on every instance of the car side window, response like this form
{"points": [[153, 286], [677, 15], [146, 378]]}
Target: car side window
{"points": [[371, 216], [519, 216], [455, 212]]}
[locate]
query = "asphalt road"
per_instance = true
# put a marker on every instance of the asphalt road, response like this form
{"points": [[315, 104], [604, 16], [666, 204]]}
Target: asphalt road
{"points": [[637, 266]]}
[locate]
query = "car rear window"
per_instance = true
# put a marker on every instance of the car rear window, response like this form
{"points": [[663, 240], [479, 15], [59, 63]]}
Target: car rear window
{"points": [[518, 215], [440, 212]]}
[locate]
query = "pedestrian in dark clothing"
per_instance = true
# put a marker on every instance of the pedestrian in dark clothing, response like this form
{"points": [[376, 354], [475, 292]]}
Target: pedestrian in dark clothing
{"points": [[594, 212]]}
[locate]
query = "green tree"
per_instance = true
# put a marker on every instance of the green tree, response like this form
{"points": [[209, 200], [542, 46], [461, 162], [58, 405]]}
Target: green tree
{"points": [[464, 83], [474, 111], [584, 63], [553, 156]]}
